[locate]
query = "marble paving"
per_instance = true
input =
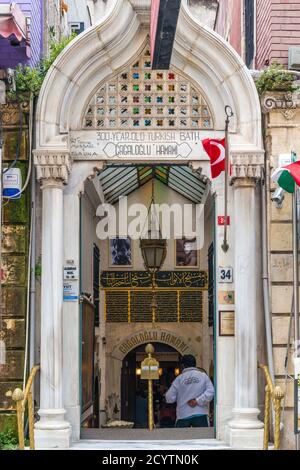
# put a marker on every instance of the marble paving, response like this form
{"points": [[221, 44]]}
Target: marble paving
{"points": [[202, 444]]}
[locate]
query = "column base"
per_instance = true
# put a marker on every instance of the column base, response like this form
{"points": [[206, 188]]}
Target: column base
{"points": [[52, 431], [245, 431]]}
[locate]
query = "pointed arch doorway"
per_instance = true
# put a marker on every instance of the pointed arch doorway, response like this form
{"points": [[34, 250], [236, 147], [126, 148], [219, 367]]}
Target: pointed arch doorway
{"points": [[134, 389]]}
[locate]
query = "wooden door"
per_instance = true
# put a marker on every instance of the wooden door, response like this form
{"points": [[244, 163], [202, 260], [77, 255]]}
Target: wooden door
{"points": [[128, 388], [88, 324]]}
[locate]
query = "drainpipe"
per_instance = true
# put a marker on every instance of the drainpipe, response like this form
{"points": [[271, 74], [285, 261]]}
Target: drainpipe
{"points": [[29, 339], [32, 260], [265, 278]]}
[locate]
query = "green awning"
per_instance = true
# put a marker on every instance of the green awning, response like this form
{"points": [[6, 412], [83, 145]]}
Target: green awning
{"points": [[121, 180]]}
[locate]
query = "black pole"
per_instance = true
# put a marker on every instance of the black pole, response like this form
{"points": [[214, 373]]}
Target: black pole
{"points": [[229, 114]]}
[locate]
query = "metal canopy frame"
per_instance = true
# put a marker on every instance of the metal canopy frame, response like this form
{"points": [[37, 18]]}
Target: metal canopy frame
{"points": [[122, 180]]}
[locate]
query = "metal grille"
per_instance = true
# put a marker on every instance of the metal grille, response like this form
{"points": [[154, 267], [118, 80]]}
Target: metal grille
{"points": [[141, 98], [134, 306], [116, 306]]}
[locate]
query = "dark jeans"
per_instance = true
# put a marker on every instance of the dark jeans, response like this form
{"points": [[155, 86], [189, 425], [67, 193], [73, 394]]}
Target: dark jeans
{"points": [[196, 422]]}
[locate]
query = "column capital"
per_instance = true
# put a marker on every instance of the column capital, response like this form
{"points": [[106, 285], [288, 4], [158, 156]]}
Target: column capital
{"points": [[53, 167], [246, 168], [244, 182]]}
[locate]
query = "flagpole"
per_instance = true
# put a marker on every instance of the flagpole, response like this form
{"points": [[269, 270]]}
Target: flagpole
{"points": [[229, 114]]}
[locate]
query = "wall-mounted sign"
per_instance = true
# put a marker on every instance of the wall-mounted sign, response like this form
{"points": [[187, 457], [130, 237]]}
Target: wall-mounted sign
{"points": [[226, 323], [226, 297], [284, 159], [71, 273], [140, 145], [163, 279], [225, 275], [221, 220], [156, 336], [70, 292]]}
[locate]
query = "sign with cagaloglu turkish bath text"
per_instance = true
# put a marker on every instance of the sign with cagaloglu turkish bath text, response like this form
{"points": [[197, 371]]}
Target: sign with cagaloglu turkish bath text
{"points": [[140, 145]]}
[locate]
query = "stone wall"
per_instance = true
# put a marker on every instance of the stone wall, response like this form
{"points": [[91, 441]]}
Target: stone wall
{"points": [[282, 135], [16, 225]]}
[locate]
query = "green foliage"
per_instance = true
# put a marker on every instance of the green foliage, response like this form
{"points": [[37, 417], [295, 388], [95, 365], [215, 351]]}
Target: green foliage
{"points": [[29, 80], [275, 78], [8, 440]]}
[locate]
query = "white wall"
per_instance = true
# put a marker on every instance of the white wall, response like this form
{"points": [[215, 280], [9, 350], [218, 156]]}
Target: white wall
{"points": [[78, 12]]}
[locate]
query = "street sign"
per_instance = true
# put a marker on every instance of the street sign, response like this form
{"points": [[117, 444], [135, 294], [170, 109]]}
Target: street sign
{"points": [[221, 220]]}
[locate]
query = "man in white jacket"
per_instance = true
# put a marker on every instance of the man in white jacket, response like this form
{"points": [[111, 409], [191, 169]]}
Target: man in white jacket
{"points": [[192, 390]]}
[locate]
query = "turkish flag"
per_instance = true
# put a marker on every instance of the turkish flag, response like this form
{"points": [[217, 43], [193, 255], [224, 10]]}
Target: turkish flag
{"points": [[215, 149]]}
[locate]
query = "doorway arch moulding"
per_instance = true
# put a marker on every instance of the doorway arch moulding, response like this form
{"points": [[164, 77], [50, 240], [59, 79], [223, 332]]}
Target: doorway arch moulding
{"points": [[93, 57], [101, 51], [150, 335]]}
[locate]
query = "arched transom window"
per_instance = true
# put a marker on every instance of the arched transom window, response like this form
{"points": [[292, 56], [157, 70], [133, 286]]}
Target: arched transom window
{"points": [[141, 98]]}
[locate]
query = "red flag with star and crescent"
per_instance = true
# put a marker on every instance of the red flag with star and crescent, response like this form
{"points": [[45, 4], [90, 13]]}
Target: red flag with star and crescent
{"points": [[215, 149]]}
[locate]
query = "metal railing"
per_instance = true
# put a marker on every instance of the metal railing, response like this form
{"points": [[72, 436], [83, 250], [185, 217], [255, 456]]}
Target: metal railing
{"points": [[274, 396], [21, 398]]}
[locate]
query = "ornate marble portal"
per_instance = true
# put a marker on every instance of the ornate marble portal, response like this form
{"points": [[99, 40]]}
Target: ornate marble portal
{"points": [[95, 58]]}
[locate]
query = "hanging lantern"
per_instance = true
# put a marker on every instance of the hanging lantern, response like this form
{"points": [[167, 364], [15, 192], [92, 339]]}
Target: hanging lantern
{"points": [[153, 247], [154, 253]]}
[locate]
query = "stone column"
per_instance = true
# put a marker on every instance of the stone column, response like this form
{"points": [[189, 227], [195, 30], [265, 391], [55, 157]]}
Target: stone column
{"points": [[245, 430], [52, 431]]}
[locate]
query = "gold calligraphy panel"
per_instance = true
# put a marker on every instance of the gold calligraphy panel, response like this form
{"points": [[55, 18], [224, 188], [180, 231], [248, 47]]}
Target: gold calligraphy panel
{"points": [[172, 306]]}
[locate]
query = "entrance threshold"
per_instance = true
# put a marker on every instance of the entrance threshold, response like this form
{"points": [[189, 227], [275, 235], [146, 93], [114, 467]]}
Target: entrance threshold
{"points": [[146, 445], [166, 434]]}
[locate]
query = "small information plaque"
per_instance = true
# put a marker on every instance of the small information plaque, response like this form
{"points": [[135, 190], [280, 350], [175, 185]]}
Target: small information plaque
{"points": [[226, 297], [226, 323]]}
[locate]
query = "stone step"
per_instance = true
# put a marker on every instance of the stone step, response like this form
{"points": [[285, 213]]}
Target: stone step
{"points": [[195, 444], [158, 434]]}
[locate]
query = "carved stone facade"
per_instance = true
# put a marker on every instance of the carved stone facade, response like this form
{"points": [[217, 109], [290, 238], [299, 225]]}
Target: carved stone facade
{"points": [[52, 166], [78, 73], [286, 103], [15, 236], [247, 166], [282, 125]]}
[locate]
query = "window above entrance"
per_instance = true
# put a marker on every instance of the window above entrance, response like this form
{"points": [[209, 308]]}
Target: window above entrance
{"points": [[141, 98]]}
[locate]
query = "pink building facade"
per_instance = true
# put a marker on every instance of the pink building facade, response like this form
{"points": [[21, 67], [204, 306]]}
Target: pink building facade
{"points": [[261, 31], [229, 24], [278, 28]]}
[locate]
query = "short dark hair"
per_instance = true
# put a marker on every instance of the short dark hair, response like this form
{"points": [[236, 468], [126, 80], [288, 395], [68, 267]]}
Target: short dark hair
{"points": [[188, 361]]}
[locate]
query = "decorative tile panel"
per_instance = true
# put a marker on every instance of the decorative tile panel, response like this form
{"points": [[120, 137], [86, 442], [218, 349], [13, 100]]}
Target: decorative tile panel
{"points": [[142, 98]]}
